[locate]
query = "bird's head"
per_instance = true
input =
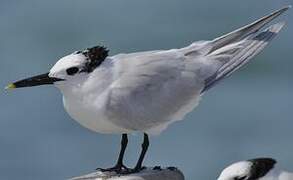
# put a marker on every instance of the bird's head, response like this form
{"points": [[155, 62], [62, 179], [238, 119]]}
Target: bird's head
{"points": [[67, 68], [253, 169]]}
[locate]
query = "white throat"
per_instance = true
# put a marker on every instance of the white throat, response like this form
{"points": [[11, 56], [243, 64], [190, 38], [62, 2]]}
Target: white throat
{"points": [[85, 98]]}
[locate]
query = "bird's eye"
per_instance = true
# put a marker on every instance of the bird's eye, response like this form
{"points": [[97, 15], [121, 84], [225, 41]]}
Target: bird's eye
{"points": [[71, 71]]}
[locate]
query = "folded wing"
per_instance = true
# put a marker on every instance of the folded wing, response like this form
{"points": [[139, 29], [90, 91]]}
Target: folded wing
{"points": [[235, 49]]}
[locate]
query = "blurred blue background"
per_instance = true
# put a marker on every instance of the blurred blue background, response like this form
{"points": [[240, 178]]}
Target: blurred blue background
{"points": [[246, 116]]}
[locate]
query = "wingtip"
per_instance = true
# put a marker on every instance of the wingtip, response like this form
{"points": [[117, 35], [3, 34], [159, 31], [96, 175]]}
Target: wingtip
{"points": [[285, 8], [282, 10], [277, 27]]}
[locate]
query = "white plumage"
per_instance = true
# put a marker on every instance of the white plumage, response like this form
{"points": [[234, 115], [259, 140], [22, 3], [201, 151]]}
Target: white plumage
{"points": [[255, 169], [135, 92], [147, 91]]}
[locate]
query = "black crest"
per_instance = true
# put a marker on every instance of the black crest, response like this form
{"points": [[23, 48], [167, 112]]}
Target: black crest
{"points": [[260, 167], [95, 56]]}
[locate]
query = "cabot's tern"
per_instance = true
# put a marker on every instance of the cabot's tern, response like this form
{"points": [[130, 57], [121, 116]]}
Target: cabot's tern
{"points": [[255, 169], [147, 91]]}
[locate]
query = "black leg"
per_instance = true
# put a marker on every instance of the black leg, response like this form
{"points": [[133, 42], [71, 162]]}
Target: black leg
{"points": [[119, 167], [144, 146], [124, 142]]}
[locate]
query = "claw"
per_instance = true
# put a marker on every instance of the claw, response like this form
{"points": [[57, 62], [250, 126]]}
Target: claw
{"points": [[118, 169], [137, 169], [172, 168], [157, 168]]}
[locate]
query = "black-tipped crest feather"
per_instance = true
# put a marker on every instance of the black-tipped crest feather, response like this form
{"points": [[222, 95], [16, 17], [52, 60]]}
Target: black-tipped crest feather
{"points": [[95, 56], [260, 167]]}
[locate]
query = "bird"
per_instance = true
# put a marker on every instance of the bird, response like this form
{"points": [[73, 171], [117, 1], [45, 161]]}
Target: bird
{"points": [[147, 91], [255, 169]]}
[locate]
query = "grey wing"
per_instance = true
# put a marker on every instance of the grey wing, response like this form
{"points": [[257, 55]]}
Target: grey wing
{"points": [[232, 51], [153, 89]]}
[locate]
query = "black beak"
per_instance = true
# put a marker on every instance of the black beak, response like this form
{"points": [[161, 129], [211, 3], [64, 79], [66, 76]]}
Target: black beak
{"points": [[34, 81]]}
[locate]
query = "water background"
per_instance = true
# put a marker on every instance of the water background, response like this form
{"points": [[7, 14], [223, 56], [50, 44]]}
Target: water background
{"points": [[248, 115]]}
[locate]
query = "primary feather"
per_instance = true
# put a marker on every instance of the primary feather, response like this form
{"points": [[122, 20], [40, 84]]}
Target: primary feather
{"points": [[235, 49], [235, 55]]}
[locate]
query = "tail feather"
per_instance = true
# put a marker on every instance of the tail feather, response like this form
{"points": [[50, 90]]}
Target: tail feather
{"points": [[257, 44], [242, 55], [246, 30], [238, 47]]}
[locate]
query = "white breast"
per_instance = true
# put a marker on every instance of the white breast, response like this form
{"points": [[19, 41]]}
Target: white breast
{"points": [[90, 117], [142, 92]]}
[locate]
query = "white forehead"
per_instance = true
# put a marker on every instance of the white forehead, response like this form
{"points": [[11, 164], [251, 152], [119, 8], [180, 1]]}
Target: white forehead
{"points": [[241, 168], [67, 62]]}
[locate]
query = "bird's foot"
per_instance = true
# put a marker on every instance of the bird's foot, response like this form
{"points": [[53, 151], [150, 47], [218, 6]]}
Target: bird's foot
{"points": [[158, 168], [119, 169], [136, 169], [171, 168], [122, 169]]}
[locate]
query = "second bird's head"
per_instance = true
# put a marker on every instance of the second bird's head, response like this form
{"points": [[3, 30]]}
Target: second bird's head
{"points": [[67, 68], [253, 169]]}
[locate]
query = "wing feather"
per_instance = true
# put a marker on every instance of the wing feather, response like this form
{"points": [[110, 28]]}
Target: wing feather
{"points": [[235, 49]]}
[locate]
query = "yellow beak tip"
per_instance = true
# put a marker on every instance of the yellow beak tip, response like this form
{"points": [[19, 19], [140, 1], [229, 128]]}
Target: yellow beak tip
{"points": [[10, 86]]}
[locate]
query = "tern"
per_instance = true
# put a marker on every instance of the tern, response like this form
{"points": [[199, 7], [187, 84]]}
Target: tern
{"points": [[147, 91], [255, 169]]}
